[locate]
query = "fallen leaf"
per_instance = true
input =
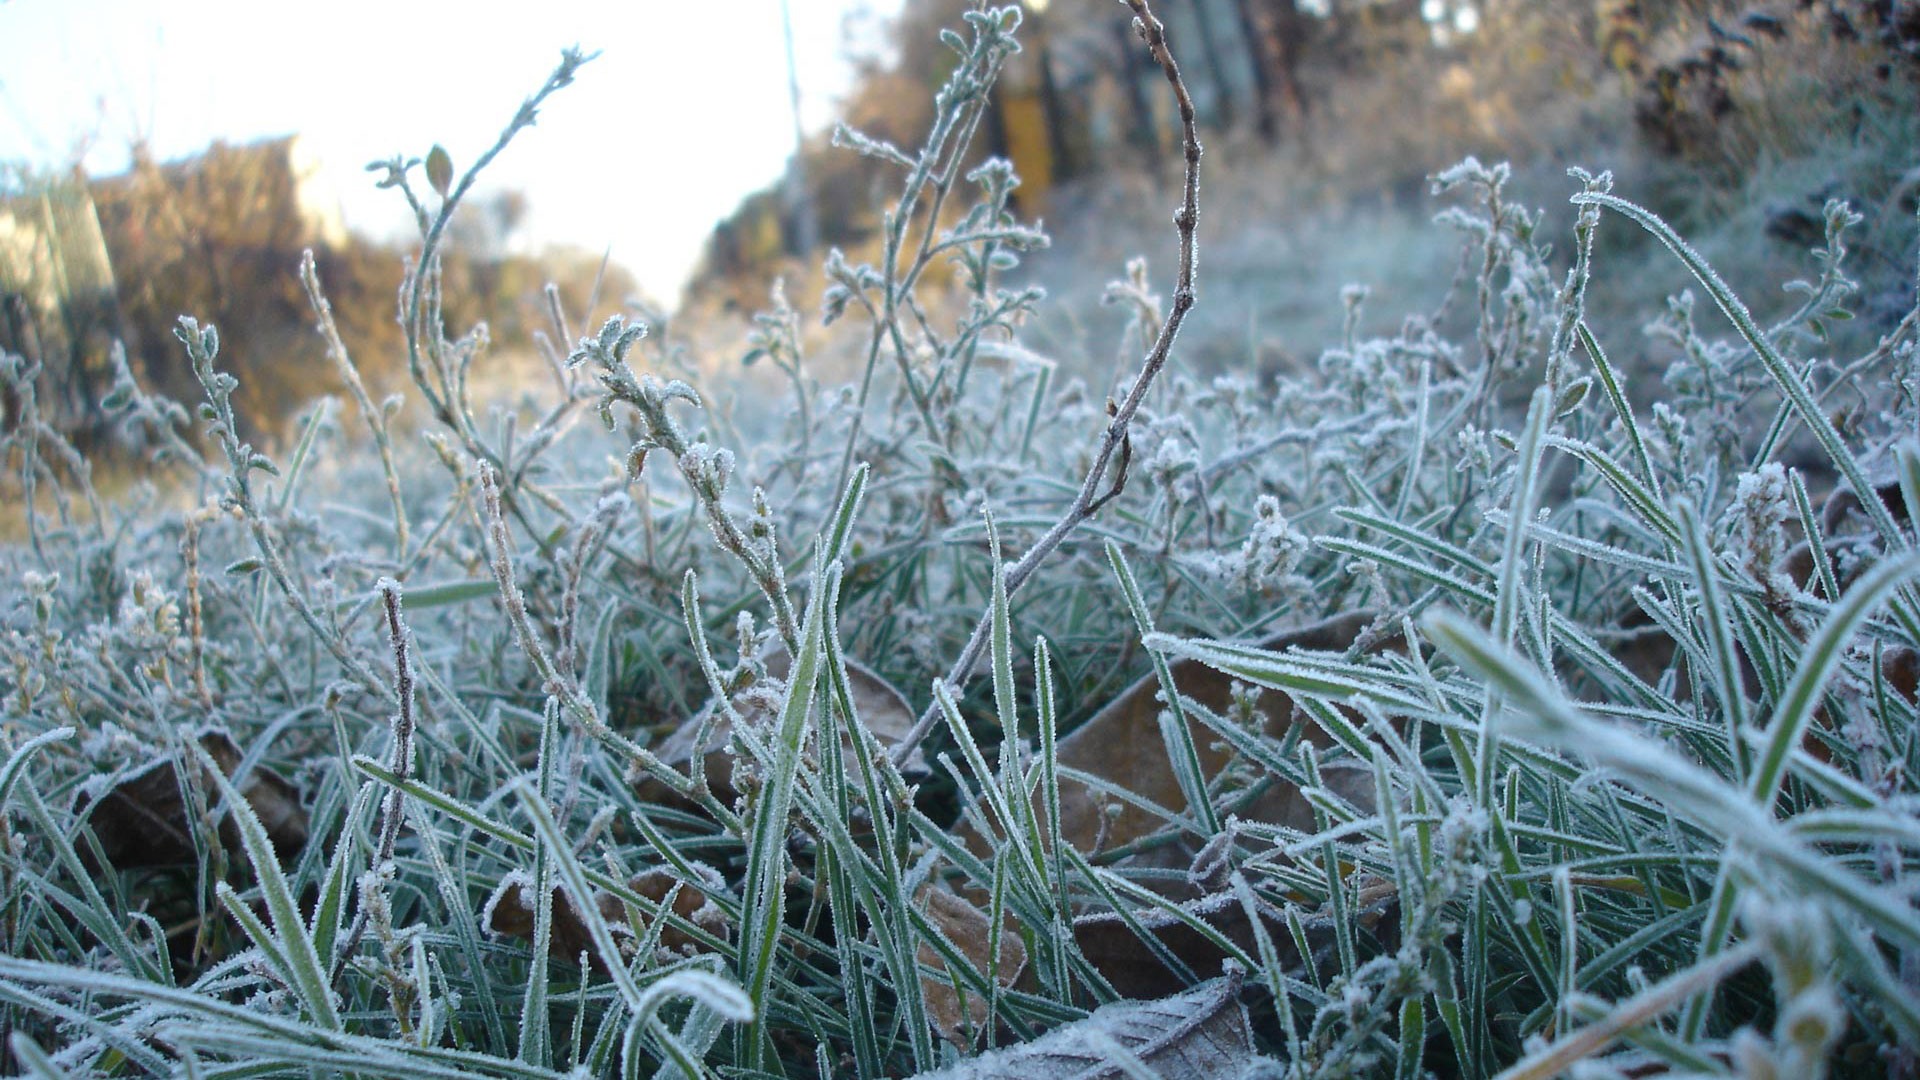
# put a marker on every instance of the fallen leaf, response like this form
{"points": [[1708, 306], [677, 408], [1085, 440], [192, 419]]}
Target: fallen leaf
{"points": [[881, 706], [1900, 666], [1122, 745], [1842, 503], [967, 927], [1202, 1034], [510, 912], [1136, 970], [143, 820]]}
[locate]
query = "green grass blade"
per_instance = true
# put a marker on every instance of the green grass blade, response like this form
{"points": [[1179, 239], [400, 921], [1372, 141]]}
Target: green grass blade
{"points": [[764, 896], [1610, 380], [1784, 376], [329, 911], [17, 761], [841, 532], [1175, 731], [309, 978], [1817, 663], [1717, 624]]}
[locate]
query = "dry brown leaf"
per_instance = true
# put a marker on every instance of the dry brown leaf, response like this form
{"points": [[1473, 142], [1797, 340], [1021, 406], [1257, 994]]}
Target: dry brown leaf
{"points": [[1900, 666], [143, 820], [882, 708], [510, 912], [1137, 971], [1202, 1034], [968, 928], [1122, 745]]}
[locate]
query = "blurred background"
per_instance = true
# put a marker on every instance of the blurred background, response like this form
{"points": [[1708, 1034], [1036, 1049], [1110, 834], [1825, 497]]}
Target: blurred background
{"points": [[161, 159]]}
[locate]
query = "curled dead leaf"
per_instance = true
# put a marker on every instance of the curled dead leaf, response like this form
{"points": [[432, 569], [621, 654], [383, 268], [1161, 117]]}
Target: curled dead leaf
{"points": [[142, 819], [1900, 666], [1122, 745], [510, 912], [967, 927], [1137, 969], [881, 706], [1202, 1034]]}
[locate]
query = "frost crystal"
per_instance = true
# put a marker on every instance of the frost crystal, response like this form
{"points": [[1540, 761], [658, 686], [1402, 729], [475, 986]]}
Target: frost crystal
{"points": [[1272, 550], [1762, 503], [1176, 467]]}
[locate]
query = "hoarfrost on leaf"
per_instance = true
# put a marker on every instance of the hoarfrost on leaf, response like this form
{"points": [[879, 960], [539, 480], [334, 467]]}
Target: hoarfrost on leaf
{"points": [[1202, 1034]]}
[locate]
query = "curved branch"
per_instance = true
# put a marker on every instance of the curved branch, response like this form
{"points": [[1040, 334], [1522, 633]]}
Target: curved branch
{"points": [[1113, 440]]}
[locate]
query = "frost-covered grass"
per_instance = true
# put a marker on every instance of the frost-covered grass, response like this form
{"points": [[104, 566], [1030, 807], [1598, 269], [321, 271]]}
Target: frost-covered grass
{"points": [[359, 767]]}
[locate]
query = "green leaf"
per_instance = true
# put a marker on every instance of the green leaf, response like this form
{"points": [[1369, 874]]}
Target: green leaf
{"points": [[438, 594], [1817, 664], [764, 897], [440, 169], [18, 761], [310, 982], [1716, 621], [1571, 396]]}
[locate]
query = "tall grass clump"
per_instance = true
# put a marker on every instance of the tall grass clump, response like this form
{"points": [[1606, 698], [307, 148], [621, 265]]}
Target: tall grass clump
{"points": [[1489, 724]]}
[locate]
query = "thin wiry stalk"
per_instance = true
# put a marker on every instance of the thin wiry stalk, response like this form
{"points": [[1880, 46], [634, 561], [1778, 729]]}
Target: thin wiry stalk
{"points": [[1114, 440], [375, 418]]}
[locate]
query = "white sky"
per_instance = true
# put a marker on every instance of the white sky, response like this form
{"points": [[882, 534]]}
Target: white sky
{"points": [[684, 113]]}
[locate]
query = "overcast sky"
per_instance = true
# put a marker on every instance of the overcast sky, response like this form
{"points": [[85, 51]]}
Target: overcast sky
{"points": [[685, 111]]}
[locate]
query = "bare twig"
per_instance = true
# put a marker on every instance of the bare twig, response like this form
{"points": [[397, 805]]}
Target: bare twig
{"points": [[392, 815], [1114, 440], [398, 635], [196, 620], [203, 345], [375, 416]]}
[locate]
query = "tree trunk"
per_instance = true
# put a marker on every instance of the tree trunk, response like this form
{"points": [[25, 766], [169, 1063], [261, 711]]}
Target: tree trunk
{"points": [[1289, 31], [1261, 60], [1144, 132], [1065, 162], [1216, 63]]}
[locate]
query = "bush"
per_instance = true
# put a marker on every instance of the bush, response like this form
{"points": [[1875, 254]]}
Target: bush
{"points": [[1473, 737]]}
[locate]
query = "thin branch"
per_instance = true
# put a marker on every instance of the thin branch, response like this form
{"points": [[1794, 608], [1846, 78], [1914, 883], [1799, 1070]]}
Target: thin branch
{"points": [[1114, 440], [375, 417], [398, 635]]}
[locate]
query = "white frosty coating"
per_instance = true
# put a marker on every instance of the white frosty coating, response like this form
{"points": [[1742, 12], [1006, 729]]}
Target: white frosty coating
{"points": [[1175, 467], [1235, 530], [1762, 505], [149, 614], [1469, 170], [1273, 549], [1672, 432], [1215, 858], [611, 506], [709, 467], [1154, 918], [1196, 1035], [707, 878], [517, 879]]}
